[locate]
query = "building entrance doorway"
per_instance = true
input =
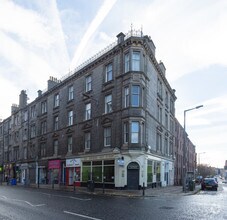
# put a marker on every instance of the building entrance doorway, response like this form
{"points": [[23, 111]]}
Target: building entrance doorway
{"points": [[133, 171]]}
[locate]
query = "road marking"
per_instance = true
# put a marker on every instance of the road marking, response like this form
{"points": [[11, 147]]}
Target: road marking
{"points": [[70, 197], [46, 194], [84, 216], [32, 204], [18, 200]]}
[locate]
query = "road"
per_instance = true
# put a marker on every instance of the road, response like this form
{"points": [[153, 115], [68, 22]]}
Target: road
{"points": [[18, 203]]}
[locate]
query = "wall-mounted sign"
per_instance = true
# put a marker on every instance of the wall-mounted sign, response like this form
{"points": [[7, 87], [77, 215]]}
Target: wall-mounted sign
{"points": [[75, 162], [54, 164], [121, 161]]}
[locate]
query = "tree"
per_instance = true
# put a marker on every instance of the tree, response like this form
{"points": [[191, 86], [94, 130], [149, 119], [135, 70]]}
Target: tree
{"points": [[205, 170]]}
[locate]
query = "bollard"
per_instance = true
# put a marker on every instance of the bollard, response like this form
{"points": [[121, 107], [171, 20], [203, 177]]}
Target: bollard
{"points": [[38, 179], [143, 189], [103, 187], [53, 184], [74, 186]]}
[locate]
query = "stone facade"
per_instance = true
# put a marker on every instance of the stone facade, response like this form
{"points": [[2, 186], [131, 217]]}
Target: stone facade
{"points": [[111, 120]]}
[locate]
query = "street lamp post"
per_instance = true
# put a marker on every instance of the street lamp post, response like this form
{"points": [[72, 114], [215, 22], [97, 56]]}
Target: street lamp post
{"points": [[184, 146], [199, 157]]}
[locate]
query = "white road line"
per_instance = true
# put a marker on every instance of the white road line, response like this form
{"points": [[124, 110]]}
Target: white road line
{"points": [[84, 216], [70, 197], [32, 204], [18, 200], [47, 194]]}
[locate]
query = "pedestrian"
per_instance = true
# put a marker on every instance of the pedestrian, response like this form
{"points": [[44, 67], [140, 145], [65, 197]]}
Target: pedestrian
{"points": [[7, 180]]}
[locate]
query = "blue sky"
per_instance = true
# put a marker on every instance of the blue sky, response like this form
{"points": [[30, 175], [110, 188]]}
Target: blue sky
{"points": [[46, 38]]}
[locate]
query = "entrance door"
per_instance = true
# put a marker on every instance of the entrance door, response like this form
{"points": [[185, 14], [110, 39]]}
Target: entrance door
{"points": [[133, 175]]}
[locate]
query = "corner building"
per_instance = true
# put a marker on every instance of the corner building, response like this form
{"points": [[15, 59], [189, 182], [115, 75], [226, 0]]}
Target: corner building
{"points": [[111, 120]]}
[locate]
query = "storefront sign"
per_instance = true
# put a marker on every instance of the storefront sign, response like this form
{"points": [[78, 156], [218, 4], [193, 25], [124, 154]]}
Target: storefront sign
{"points": [[24, 166], [76, 162], [121, 161], [54, 164]]}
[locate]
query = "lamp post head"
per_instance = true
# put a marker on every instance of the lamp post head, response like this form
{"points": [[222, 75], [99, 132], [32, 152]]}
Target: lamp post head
{"points": [[199, 106]]}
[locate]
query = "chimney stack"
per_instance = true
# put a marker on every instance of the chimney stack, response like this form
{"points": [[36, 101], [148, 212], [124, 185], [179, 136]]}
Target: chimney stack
{"points": [[23, 99], [39, 93], [52, 82]]}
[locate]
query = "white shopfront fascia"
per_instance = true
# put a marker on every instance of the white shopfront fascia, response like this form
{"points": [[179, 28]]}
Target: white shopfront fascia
{"points": [[75, 162]]}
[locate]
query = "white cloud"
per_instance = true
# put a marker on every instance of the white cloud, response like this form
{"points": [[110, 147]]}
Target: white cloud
{"points": [[29, 26], [9, 99], [33, 44], [30, 66], [100, 16], [190, 34]]}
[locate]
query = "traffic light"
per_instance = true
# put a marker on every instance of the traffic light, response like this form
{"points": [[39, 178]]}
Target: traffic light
{"points": [[1, 169]]}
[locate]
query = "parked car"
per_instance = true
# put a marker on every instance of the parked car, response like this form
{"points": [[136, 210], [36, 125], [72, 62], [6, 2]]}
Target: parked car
{"points": [[209, 183]]}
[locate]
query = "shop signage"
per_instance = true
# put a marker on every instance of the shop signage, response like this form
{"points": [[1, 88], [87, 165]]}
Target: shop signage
{"points": [[54, 164], [121, 161], [24, 166], [75, 162]]}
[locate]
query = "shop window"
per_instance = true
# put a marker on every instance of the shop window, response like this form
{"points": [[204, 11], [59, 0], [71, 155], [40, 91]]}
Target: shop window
{"points": [[149, 171], [86, 171]]}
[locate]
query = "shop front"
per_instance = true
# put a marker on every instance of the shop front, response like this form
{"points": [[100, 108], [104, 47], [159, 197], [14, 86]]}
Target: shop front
{"points": [[73, 167], [1, 174], [24, 173], [54, 171], [42, 172], [100, 171], [6, 172]]}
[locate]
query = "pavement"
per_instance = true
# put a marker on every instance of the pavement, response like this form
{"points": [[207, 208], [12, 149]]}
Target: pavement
{"points": [[149, 192]]}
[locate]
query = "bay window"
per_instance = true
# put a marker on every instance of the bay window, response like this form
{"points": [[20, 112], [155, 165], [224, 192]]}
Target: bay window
{"points": [[136, 61], [135, 96], [135, 132]]}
